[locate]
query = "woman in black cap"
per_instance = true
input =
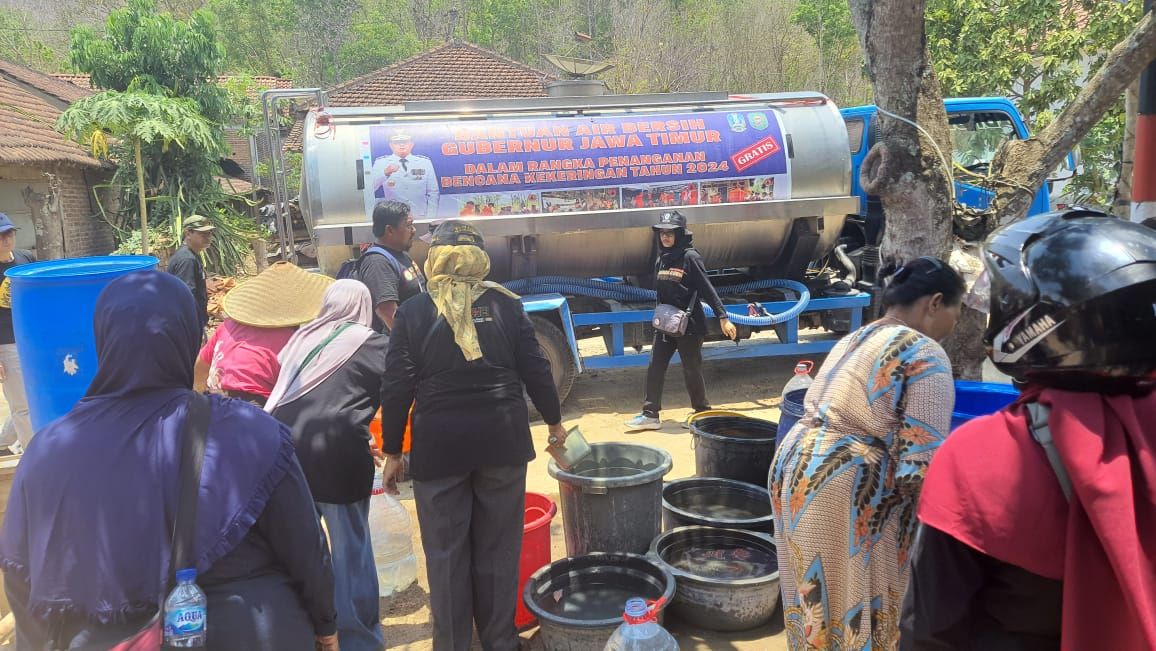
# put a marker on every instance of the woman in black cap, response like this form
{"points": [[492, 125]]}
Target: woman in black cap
{"points": [[681, 280]]}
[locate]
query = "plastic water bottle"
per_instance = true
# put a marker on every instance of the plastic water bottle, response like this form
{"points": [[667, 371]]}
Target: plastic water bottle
{"points": [[641, 631], [802, 379], [185, 621], [392, 538]]}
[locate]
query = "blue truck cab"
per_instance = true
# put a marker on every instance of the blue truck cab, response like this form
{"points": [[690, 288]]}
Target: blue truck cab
{"points": [[978, 126]]}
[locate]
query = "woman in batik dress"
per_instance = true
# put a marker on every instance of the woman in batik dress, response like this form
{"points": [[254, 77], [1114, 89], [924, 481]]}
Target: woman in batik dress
{"points": [[846, 479]]}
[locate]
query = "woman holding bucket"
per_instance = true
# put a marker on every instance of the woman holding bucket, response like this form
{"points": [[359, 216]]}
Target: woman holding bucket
{"points": [[845, 482]]}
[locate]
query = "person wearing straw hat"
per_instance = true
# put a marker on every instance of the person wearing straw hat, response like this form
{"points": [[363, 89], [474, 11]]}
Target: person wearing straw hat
{"points": [[461, 355], [240, 360], [327, 393], [186, 263]]}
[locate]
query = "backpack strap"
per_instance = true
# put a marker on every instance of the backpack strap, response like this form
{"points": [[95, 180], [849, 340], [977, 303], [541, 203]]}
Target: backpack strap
{"points": [[393, 262], [1042, 433]]}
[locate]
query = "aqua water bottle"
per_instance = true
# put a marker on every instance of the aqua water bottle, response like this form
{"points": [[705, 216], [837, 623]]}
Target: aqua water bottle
{"points": [[185, 620]]}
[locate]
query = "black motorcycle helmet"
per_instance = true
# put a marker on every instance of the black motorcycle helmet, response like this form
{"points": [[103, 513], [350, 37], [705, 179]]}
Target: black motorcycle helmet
{"points": [[1073, 296]]}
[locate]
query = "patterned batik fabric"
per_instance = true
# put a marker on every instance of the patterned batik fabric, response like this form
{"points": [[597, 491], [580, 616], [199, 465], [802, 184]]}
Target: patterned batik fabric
{"points": [[845, 482]]}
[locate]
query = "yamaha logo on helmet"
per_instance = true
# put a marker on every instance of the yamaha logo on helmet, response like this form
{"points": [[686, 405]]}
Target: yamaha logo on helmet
{"points": [[1014, 341]]}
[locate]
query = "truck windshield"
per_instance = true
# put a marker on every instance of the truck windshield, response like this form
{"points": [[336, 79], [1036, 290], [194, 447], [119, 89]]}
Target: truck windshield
{"points": [[975, 137]]}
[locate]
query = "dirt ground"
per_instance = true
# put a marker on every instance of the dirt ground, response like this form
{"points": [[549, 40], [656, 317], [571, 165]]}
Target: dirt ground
{"points": [[599, 403]]}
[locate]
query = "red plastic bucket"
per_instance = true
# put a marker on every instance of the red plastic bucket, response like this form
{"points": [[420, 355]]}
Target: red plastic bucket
{"points": [[540, 510]]}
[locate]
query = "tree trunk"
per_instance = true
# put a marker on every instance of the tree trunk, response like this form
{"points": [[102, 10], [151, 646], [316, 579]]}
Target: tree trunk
{"points": [[903, 168], [907, 167], [46, 223], [144, 213], [1122, 200], [1021, 166]]}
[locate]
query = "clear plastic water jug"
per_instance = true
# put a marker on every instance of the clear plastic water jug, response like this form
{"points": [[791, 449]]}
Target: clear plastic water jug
{"points": [[640, 630], [392, 538], [802, 378]]}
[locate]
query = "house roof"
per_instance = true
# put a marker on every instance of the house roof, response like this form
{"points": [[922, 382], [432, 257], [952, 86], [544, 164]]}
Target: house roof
{"points": [[30, 104], [455, 70], [259, 81], [58, 90]]}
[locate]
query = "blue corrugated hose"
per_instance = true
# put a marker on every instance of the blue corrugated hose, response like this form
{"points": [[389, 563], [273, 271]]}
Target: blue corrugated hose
{"points": [[630, 294]]}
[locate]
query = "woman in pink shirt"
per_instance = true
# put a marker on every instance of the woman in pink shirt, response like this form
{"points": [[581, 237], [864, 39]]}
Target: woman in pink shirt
{"points": [[240, 359]]}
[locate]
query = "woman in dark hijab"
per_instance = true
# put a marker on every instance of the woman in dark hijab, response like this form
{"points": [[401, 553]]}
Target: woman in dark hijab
{"points": [[86, 541], [680, 279]]}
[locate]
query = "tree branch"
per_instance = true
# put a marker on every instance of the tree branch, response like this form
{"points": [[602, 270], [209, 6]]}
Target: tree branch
{"points": [[1023, 165], [1124, 64]]}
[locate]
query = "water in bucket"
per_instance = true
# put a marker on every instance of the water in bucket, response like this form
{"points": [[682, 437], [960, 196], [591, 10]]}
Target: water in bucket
{"points": [[726, 562]]}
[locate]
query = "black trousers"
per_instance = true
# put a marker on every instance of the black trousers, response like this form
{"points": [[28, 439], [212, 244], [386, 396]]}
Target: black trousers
{"points": [[689, 349], [471, 530]]}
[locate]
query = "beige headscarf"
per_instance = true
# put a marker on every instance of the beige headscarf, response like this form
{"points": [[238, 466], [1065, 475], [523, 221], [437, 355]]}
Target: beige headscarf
{"points": [[455, 276]]}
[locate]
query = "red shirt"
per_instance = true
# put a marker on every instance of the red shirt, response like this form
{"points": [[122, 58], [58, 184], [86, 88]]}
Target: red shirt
{"points": [[244, 358]]}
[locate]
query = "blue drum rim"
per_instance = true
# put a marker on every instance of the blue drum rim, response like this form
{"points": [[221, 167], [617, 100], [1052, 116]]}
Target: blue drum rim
{"points": [[91, 267]]}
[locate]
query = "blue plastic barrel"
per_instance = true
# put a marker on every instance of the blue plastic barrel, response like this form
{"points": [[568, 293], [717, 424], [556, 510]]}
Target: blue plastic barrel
{"points": [[974, 399], [52, 307], [790, 412]]}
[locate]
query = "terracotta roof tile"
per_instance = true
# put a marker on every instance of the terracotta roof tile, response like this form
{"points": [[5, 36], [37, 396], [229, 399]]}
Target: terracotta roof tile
{"points": [[60, 89], [452, 71], [76, 79], [30, 133]]}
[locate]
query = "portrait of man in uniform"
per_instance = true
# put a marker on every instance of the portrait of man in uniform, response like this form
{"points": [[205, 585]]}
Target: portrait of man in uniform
{"points": [[407, 177]]}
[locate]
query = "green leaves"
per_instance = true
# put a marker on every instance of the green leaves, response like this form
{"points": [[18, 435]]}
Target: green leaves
{"points": [[159, 75], [149, 118], [20, 42], [1036, 51]]}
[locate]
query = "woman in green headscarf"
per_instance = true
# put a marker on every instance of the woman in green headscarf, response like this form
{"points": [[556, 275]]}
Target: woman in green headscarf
{"points": [[462, 355]]}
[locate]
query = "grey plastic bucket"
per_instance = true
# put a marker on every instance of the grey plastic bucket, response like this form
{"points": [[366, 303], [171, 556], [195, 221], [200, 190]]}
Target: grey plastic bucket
{"points": [[715, 502], [720, 602], [734, 447], [792, 409], [579, 600], [612, 499]]}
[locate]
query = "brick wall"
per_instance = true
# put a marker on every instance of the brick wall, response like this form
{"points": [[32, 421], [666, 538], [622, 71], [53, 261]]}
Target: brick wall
{"points": [[85, 232], [239, 151]]}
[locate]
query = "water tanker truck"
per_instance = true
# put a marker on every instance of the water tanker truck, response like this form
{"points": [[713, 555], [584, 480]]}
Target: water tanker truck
{"points": [[565, 190]]}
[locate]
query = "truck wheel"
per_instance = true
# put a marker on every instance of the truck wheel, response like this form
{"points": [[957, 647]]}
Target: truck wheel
{"points": [[557, 349]]}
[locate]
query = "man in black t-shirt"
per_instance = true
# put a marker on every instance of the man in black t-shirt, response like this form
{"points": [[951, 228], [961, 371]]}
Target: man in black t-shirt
{"points": [[394, 277], [18, 427], [186, 262]]}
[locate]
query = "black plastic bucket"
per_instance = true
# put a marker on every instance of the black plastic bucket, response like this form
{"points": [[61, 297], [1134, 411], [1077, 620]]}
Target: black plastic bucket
{"points": [[714, 502], [792, 409], [612, 498], [579, 600], [734, 447], [728, 580]]}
